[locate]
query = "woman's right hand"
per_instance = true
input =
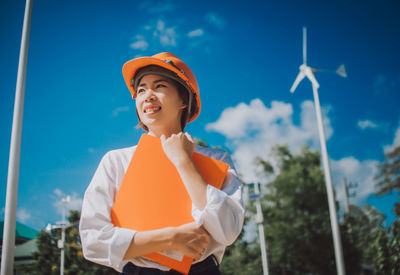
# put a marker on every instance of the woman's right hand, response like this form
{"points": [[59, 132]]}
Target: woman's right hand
{"points": [[191, 240]]}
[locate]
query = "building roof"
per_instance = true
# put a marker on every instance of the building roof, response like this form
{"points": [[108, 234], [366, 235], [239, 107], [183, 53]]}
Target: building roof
{"points": [[21, 231]]}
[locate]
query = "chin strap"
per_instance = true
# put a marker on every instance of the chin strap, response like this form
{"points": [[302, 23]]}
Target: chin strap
{"points": [[190, 105]]}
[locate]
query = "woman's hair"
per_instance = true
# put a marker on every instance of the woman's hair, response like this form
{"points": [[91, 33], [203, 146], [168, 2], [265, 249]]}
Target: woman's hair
{"points": [[183, 94]]}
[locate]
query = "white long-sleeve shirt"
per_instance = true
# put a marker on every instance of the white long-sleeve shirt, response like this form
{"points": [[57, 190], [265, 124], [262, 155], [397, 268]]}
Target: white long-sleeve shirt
{"points": [[105, 244]]}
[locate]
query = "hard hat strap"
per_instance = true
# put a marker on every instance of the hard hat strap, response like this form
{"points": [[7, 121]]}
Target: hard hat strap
{"points": [[190, 105]]}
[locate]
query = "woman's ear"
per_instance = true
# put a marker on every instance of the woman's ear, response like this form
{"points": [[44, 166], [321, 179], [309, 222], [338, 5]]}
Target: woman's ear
{"points": [[183, 106]]}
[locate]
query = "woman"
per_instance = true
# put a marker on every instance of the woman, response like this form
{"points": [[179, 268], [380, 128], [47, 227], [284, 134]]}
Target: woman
{"points": [[167, 98]]}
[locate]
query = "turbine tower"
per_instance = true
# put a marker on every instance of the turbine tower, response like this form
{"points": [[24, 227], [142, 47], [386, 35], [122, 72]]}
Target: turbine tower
{"points": [[306, 71]]}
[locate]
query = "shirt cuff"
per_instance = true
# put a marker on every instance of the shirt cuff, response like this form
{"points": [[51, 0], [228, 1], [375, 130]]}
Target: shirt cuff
{"points": [[119, 245], [215, 198]]}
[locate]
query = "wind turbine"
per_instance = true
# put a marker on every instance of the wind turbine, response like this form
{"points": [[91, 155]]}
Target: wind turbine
{"points": [[309, 72], [306, 71]]}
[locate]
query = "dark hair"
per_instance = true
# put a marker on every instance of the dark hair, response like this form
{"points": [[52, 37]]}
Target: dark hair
{"points": [[184, 95]]}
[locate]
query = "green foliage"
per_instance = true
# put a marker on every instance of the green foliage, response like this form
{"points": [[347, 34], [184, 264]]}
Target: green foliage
{"points": [[48, 255], [296, 222], [297, 227], [389, 176], [242, 258], [377, 245], [200, 142]]}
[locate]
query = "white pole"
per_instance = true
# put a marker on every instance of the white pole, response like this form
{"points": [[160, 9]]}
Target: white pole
{"points": [[332, 209], [346, 197], [7, 256], [62, 249], [64, 201], [259, 221]]}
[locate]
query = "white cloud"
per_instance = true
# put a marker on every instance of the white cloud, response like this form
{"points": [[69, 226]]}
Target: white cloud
{"points": [[156, 34], [23, 215], [166, 35], [58, 192], [75, 202], [195, 33], [354, 171], [253, 129], [395, 143], [214, 19], [365, 124], [162, 32], [140, 45], [119, 110]]}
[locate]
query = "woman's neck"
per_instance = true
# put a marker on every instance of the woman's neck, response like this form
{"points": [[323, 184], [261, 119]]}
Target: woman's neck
{"points": [[166, 132]]}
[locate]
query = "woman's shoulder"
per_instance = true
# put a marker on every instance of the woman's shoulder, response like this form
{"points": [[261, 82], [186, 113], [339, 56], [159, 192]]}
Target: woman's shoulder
{"points": [[120, 155]]}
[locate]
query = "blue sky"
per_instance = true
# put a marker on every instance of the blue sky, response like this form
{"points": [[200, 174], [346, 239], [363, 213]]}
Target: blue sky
{"points": [[245, 55]]}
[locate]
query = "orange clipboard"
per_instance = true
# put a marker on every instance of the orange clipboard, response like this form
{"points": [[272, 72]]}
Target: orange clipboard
{"points": [[153, 196]]}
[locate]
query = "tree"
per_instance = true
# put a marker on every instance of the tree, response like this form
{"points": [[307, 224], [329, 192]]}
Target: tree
{"points": [[297, 225], [296, 214], [377, 244], [388, 178], [48, 254], [242, 257]]}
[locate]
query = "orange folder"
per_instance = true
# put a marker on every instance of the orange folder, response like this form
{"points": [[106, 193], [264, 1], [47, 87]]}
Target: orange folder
{"points": [[153, 196]]}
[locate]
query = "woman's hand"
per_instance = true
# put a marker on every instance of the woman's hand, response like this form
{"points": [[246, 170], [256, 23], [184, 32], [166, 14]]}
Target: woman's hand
{"points": [[191, 240], [178, 148]]}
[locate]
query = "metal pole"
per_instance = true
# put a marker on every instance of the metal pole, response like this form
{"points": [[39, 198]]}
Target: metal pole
{"points": [[64, 201], [332, 209], [7, 256], [346, 197], [62, 249], [259, 221]]}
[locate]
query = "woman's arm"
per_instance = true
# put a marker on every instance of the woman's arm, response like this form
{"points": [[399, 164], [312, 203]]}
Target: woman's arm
{"points": [[179, 149], [112, 246], [102, 242], [221, 212], [189, 238]]}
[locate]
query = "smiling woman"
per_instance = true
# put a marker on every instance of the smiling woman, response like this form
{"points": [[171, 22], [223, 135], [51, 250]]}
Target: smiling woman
{"points": [[167, 98]]}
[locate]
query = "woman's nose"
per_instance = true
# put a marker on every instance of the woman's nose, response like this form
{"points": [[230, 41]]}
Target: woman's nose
{"points": [[150, 96]]}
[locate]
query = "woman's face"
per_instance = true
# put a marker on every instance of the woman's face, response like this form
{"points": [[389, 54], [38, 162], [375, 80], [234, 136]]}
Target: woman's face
{"points": [[159, 105]]}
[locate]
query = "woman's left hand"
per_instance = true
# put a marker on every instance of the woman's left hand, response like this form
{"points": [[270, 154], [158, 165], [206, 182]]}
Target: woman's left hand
{"points": [[178, 148]]}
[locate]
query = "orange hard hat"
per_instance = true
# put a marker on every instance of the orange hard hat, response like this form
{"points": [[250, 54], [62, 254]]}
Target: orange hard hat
{"points": [[167, 61]]}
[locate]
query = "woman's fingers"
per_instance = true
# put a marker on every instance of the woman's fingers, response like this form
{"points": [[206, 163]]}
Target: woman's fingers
{"points": [[178, 148], [191, 240], [189, 137], [195, 250]]}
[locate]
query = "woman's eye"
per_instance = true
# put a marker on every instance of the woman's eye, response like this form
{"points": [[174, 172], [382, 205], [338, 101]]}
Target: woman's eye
{"points": [[160, 86], [140, 90]]}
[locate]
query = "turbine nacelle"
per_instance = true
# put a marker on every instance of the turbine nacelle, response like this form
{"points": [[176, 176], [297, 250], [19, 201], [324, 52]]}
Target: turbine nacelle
{"points": [[306, 71]]}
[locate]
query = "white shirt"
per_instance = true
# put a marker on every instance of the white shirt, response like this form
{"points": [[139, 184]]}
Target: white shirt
{"points": [[105, 244]]}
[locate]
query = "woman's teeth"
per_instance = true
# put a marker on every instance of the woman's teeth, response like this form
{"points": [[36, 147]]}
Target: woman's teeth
{"points": [[152, 110]]}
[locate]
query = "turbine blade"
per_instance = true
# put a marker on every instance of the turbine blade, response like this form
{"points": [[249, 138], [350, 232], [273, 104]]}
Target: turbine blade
{"points": [[299, 78], [305, 45], [341, 71], [311, 76]]}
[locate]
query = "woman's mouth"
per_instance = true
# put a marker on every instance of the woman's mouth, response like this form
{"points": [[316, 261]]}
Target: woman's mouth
{"points": [[151, 109]]}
